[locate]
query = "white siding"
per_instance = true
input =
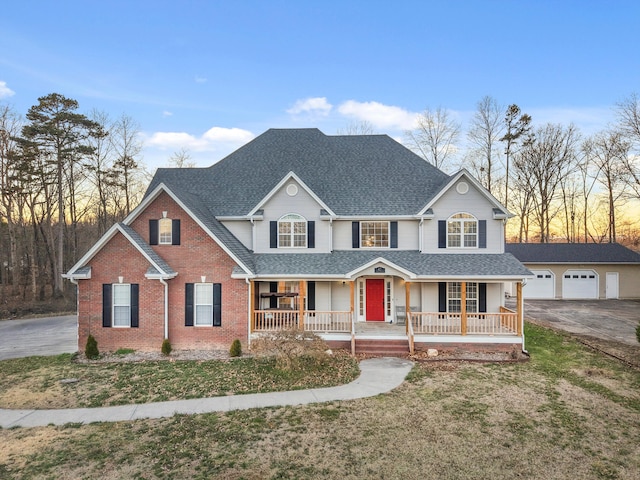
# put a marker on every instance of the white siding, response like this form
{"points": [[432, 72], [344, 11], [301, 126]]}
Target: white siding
{"points": [[340, 296], [474, 203], [342, 235], [242, 230], [407, 235], [323, 296], [302, 204]]}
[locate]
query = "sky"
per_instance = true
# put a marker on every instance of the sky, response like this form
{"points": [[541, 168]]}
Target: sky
{"points": [[208, 76]]}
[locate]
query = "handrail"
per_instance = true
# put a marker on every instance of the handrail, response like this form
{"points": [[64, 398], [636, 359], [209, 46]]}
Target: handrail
{"points": [[411, 333]]}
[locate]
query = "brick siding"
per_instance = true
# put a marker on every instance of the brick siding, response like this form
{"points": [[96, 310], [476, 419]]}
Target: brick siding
{"points": [[198, 255]]}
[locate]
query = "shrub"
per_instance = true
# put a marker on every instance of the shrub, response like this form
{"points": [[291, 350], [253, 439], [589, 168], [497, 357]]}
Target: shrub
{"points": [[91, 349], [292, 348], [166, 347], [638, 332], [236, 349]]}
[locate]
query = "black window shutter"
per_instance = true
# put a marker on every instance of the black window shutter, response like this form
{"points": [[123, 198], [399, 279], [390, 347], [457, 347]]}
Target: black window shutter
{"points": [[106, 304], [394, 234], [482, 234], [442, 234], [273, 234], [273, 301], [135, 309], [482, 297], [188, 304], [311, 295], [442, 296], [175, 232], [355, 234], [153, 232], [217, 304], [311, 234]]}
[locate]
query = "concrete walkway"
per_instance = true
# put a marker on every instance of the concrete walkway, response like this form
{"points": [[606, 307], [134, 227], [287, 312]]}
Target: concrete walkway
{"points": [[377, 375]]}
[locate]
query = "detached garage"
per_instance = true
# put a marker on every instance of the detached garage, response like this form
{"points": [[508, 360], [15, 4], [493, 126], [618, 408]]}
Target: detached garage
{"points": [[579, 270]]}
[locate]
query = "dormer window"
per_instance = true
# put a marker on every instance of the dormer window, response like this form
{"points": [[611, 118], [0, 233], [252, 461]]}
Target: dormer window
{"points": [[292, 231], [462, 231]]}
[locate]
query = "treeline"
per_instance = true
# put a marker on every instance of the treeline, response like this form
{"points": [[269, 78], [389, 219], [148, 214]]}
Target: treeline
{"points": [[65, 178], [561, 185]]}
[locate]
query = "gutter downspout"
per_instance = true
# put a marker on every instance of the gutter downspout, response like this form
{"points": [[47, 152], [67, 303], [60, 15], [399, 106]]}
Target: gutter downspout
{"points": [[166, 308], [420, 235], [248, 313], [75, 282]]}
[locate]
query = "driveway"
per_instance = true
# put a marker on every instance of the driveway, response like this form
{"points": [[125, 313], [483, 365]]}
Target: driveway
{"points": [[614, 320], [38, 336]]}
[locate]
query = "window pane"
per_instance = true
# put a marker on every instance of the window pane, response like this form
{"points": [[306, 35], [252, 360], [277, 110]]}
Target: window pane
{"points": [[374, 234], [121, 316], [204, 315], [469, 240], [164, 227], [121, 294], [204, 293]]}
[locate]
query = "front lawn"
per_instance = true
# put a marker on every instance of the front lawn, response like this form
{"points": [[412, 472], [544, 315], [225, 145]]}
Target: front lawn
{"points": [[569, 413], [59, 382]]}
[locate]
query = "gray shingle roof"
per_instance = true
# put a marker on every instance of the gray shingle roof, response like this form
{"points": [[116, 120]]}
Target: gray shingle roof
{"points": [[341, 262], [150, 252], [572, 253], [352, 174]]}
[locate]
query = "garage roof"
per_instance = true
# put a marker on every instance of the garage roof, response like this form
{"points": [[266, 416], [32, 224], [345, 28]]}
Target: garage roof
{"points": [[572, 253]]}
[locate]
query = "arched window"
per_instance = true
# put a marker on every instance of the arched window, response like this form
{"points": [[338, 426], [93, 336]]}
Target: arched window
{"points": [[462, 231], [292, 231]]}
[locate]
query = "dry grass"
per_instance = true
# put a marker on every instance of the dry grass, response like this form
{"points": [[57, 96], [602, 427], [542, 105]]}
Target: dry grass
{"points": [[567, 414]]}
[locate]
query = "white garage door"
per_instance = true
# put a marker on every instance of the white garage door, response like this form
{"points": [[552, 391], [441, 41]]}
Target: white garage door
{"points": [[579, 284], [540, 286]]}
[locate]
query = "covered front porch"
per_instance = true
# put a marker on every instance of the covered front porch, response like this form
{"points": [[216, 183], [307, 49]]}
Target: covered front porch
{"points": [[373, 307]]}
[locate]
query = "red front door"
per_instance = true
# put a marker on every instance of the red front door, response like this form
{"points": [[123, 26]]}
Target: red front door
{"points": [[375, 300]]}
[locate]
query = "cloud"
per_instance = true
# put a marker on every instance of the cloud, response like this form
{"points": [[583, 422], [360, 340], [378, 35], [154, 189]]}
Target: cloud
{"points": [[314, 106], [214, 139], [167, 113], [5, 91], [200, 79], [380, 115]]}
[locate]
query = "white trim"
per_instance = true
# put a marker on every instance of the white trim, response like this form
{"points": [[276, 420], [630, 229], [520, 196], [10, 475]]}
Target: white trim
{"points": [[102, 242], [285, 179], [464, 173], [358, 271], [375, 247]]}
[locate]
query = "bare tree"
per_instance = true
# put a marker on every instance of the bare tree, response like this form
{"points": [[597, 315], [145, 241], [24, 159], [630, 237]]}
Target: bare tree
{"points": [[608, 151], [434, 137], [484, 133], [10, 126], [363, 127], [543, 163], [181, 159], [628, 115], [126, 140]]}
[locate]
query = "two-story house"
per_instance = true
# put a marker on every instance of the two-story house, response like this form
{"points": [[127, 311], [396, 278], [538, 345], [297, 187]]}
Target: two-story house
{"points": [[353, 237]]}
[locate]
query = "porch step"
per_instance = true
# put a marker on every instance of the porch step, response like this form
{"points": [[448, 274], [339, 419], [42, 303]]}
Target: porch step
{"points": [[388, 348]]}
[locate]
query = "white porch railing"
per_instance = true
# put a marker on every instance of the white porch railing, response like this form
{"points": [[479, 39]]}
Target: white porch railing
{"points": [[421, 323], [429, 323], [315, 321]]}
